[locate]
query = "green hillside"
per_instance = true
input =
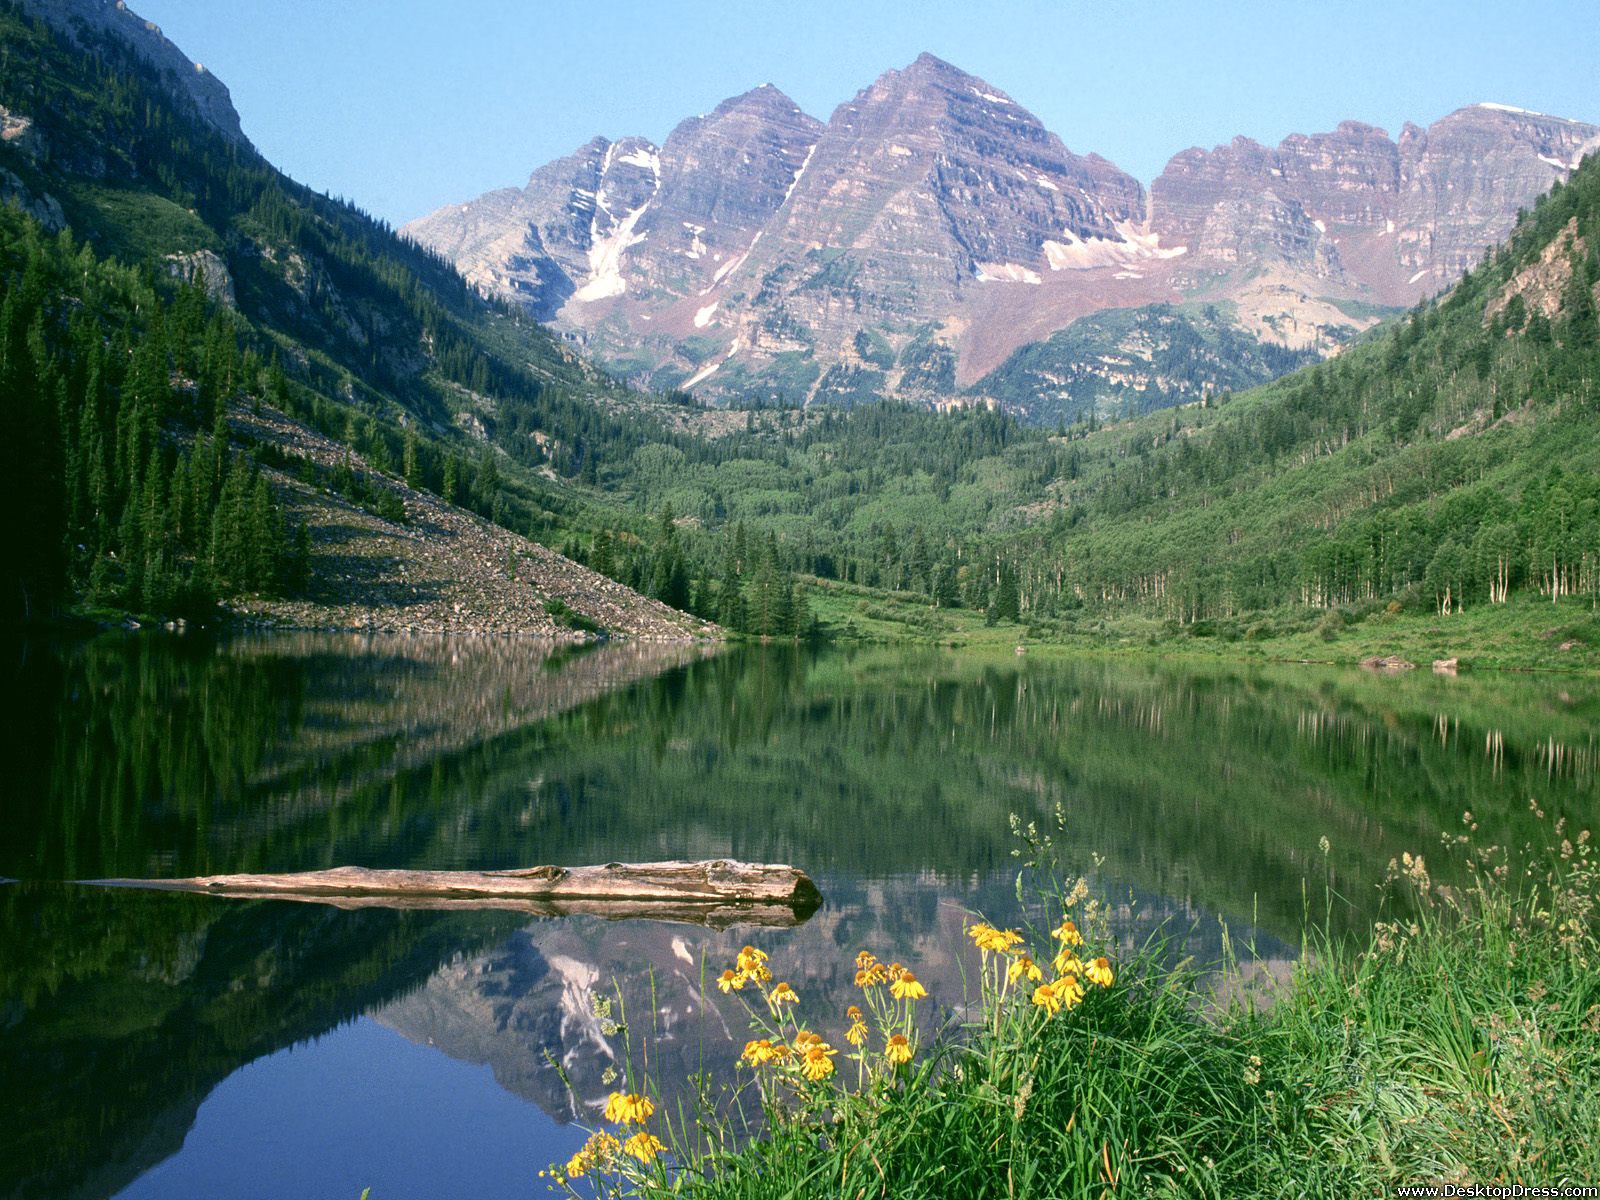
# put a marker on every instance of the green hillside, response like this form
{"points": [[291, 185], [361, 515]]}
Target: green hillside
{"points": [[1127, 361], [1452, 459]]}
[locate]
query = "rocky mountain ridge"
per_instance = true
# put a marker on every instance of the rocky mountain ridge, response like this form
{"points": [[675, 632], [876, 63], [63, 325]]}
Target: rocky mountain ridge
{"points": [[84, 20], [932, 227]]}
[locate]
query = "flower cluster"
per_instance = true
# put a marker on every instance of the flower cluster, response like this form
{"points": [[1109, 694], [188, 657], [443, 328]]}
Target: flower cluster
{"points": [[802, 1078], [1008, 962], [749, 967], [607, 1152], [789, 1052]]}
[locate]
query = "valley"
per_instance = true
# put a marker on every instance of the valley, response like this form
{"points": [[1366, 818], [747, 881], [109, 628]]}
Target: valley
{"points": [[1187, 583]]}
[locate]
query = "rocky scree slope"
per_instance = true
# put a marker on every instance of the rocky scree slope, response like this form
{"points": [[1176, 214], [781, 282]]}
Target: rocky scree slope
{"points": [[443, 570]]}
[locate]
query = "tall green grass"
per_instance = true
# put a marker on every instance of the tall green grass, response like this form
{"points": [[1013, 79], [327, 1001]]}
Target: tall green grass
{"points": [[1460, 1044]]}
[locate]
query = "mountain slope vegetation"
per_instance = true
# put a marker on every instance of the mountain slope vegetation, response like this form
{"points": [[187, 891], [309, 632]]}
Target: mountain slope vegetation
{"points": [[1452, 459]]}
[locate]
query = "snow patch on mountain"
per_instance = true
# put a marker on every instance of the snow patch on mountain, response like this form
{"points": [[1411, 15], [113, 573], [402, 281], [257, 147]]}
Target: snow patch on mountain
{"points": [[1087, 254], [705, 371], [605, 258], [1509, 108], [643, 158], [1004, 273]]}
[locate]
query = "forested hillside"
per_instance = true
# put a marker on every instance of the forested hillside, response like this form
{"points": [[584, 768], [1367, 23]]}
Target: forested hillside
{"points": [[1128, 361], [163, 271], [122, 488], [1454, 459]]}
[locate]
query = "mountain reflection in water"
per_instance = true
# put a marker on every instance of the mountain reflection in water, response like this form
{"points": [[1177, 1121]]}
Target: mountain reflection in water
{"points": [[889, 774]]}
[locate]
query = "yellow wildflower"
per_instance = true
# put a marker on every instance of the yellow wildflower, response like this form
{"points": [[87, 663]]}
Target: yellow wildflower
{"points": [[730, 981], [784, 994], [907, 988], [869, 971], [1023, 965], [1066, 962], [1000, 941], [817, 1062], [1067, 933], [752, 964], [1099, 971], [898, 1049], [643, 1146], [857, 1033], [1045, 997], [759, 1052], [805, 1038], [623, 1107], [596, 1152], [1068, 990]]}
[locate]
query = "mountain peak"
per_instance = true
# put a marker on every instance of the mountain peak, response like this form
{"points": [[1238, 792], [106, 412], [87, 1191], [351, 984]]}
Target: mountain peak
{"points": [[765, 100], [927, 61], [931, 68]]}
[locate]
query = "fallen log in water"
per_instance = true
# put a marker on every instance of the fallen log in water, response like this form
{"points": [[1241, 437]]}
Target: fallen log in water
{"points": [[717, 891]]}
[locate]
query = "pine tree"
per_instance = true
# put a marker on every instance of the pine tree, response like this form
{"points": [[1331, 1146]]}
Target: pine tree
{"points": [[452, 478], [410, 464]]}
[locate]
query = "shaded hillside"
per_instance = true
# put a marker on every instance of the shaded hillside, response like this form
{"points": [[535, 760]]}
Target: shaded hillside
{"points": [[253, 292]]}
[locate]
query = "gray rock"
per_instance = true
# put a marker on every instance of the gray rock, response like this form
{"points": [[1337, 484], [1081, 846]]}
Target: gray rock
{"points": [[44, 208], [207, 268]]}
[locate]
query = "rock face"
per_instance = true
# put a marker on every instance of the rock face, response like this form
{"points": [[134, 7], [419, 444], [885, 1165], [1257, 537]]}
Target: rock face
{"points": [[1399, 219], [87, 19], [933, 226], [206, 268], [627, 214], [1464, 177]]}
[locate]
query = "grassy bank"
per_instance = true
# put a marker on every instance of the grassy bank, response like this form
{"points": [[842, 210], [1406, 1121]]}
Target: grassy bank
{"points": [[1525, 634], [1460, 1044]]}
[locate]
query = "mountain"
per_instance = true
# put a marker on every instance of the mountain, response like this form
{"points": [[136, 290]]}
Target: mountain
{"points": [[933, 227], [676, 212], [158, 274]]}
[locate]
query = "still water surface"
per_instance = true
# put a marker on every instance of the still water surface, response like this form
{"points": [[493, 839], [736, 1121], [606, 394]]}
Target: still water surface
{"points": [[167, 1045]]}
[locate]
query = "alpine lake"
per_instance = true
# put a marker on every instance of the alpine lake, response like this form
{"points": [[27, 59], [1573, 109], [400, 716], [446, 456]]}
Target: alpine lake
{"points": [[160, 1044]]}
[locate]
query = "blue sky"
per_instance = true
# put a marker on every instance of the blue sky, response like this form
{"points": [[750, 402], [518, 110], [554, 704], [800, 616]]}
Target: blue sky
{"points": [[403, 105]]}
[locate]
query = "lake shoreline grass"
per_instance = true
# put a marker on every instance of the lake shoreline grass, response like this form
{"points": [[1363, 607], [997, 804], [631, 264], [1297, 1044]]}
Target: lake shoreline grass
{"points": [[1524, 635], [1458, 1044]]}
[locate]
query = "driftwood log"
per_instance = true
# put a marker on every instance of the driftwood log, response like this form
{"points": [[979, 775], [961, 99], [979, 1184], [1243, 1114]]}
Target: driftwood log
{"points": [[716, 892]]}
